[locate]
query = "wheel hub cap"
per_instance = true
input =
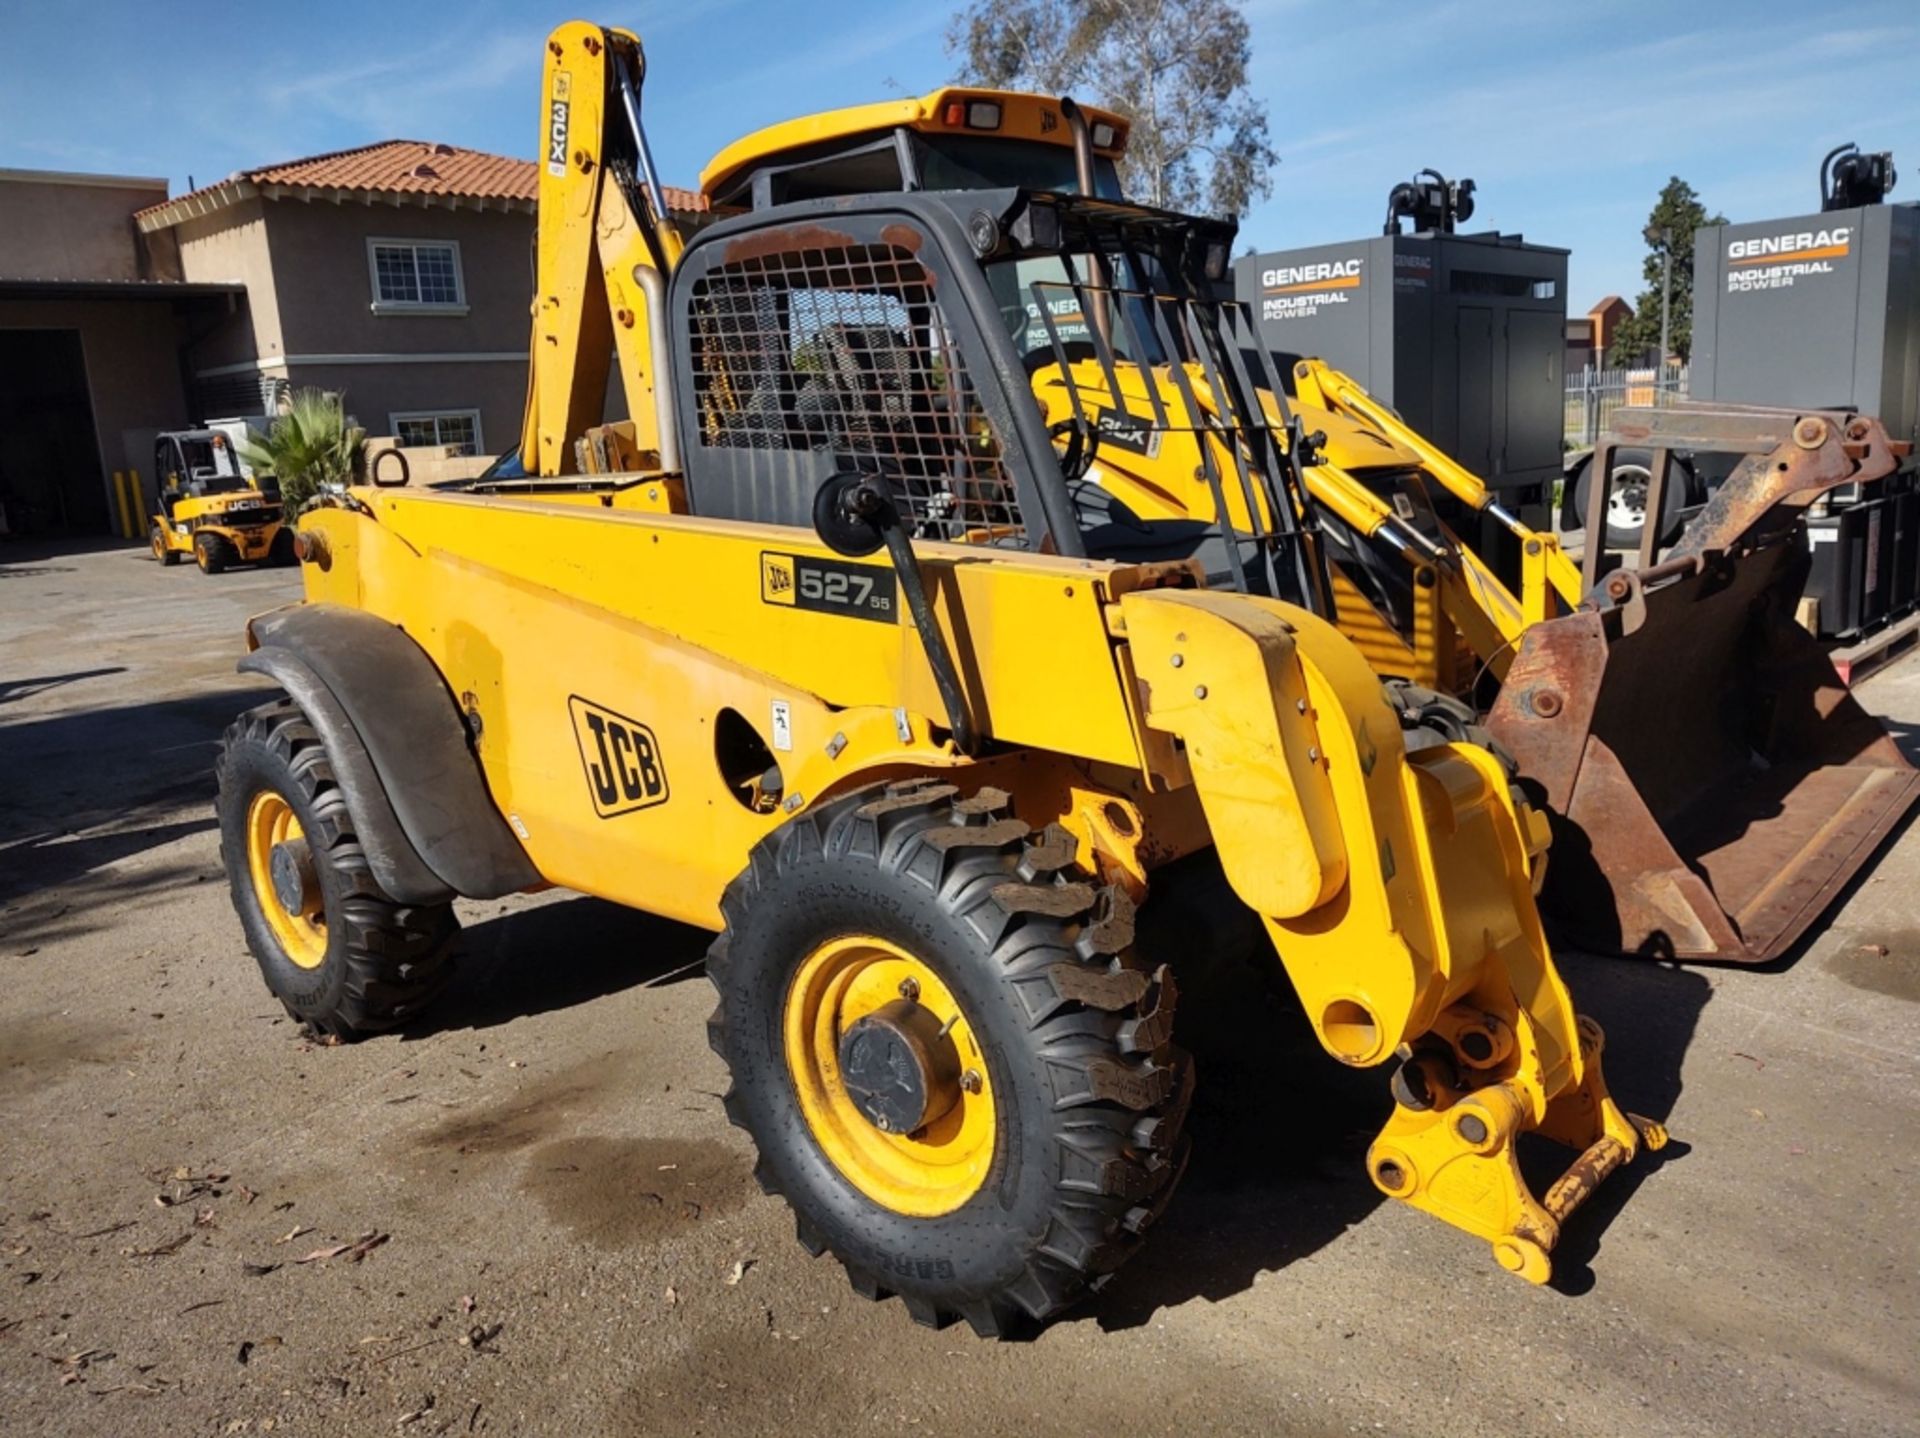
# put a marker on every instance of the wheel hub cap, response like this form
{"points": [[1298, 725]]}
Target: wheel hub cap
{"points": [[900, 1070], [872, 1036], [294, 882]]}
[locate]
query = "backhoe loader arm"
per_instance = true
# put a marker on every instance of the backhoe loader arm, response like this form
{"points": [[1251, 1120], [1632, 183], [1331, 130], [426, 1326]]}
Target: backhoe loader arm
{"points": [[605, 244], [1546, 571]]}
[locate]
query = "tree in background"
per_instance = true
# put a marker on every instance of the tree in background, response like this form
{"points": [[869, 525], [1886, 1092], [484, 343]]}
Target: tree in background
{"points": [[1177, 69], [309, 446], [1678, 213]]}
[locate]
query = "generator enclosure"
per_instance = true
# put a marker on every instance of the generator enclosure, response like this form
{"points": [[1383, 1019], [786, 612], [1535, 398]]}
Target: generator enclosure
{"points": [[1464, 335], [1820, 310]]}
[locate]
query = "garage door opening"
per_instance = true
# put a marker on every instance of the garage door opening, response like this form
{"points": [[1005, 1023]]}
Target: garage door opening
{"points": [[50, 481]]}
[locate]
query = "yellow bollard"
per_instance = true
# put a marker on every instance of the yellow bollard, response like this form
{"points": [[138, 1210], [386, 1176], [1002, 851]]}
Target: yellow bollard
{"points": [[139, 504], [126, 510]]}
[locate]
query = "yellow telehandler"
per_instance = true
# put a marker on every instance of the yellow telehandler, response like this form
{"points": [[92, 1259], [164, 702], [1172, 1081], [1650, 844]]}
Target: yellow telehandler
{"points": [[835, 651]]}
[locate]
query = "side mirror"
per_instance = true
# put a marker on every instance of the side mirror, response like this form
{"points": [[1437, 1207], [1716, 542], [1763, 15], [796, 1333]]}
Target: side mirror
{"points": [[852, 513]]}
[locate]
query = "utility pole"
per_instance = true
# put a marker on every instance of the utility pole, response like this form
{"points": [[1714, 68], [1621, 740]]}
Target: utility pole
{"points": [[1663, 237]]}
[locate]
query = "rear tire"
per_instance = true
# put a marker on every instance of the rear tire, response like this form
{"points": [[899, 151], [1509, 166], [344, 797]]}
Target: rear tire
{"points": [[162, 551], [355, 961], [1085, 1094], [214, 552]]}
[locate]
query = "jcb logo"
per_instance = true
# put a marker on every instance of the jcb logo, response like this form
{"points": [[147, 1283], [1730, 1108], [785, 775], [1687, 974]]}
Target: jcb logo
{"points": [[776, 578], [624, 769]]}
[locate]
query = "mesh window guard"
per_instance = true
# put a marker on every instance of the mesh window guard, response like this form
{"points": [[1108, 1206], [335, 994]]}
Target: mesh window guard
{"points": [[844, 350]]}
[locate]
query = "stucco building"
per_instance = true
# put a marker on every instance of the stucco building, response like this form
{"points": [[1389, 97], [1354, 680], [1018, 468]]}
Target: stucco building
{"points": [[398, 273]]}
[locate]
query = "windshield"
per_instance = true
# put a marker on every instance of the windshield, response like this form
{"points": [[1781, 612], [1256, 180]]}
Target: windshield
{"points": [[975, 162], [1023, 287]]}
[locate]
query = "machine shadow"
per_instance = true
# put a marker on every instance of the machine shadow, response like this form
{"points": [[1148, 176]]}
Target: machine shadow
{"points": [[14, 689], [1650, 1012], [1280, 1133], [140, 773], [559, 955]]}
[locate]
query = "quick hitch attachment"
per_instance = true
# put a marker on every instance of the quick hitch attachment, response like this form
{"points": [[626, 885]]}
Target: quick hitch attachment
{"points": [[1450, 1146]]}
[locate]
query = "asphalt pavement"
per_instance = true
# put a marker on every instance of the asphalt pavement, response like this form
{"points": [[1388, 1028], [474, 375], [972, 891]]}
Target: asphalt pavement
{"points": [[527, 1213]]}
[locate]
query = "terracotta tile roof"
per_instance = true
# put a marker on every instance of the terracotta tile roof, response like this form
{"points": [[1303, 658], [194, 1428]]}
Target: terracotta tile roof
{"points": [[391, 167], [409, 167]]}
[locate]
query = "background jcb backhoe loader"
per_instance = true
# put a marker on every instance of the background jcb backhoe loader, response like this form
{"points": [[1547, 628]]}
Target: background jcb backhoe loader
{"points": [[852, 682], [1713, 783]]}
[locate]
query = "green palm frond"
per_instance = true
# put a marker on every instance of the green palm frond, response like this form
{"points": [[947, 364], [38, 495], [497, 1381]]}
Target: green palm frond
{"points": [[307, 447]]}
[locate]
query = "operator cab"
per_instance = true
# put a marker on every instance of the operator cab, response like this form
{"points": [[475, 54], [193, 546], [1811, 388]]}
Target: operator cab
{"points": [[880, 339], [958, 141], [193, 463]]}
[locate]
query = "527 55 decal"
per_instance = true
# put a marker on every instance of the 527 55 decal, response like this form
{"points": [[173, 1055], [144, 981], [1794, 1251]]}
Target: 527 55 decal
{"points": [[828, 586]]}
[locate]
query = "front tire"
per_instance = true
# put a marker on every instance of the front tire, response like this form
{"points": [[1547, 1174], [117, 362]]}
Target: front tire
{"points": [[343, 957], [162, 551], [213, 553], [280, 553], [1062, 1140]]}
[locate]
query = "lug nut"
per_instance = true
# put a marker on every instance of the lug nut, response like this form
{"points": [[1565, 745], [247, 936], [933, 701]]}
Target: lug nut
{"points": [[970, 1081], [1546, 703], [910, 990]]}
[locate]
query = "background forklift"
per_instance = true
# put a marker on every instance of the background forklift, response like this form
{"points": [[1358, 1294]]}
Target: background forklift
{"points": [[210, 509]]}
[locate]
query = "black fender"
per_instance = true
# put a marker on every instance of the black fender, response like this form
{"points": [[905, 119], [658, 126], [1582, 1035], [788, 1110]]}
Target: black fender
{"points": [[399, 749]]}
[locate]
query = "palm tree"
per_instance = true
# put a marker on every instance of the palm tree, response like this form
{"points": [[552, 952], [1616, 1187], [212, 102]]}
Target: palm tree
{"points": [[309, 446]]}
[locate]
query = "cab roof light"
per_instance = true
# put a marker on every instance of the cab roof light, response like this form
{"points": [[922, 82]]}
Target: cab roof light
{"points": [[983, 114], [1104, 135]]}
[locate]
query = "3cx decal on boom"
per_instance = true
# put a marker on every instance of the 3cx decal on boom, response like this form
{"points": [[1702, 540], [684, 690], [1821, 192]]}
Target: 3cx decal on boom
{"points": [[622, 758]]}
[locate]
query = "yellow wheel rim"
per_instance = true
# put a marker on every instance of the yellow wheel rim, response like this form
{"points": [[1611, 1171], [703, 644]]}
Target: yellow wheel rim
{"points": [[934, 1169], [302, 937]]}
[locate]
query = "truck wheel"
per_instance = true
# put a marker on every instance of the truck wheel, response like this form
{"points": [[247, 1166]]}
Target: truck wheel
{"points": [[162, 551], [343, 957], [280, 553], [213, 552], [954, 1069], [1627, 499]]}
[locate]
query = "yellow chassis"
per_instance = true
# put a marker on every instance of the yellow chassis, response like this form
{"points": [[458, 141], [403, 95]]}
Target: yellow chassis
{"points": [[1151, 718]]}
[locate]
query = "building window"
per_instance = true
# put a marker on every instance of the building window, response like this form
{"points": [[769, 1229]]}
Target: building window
{"points": [[458, 427], [416, 276]]}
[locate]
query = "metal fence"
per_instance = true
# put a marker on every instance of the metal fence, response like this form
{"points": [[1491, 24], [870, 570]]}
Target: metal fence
{"points": [[1594, 394]]}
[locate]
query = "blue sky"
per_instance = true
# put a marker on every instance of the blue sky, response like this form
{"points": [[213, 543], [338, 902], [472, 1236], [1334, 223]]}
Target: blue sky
{"points": [[1569, 115]]}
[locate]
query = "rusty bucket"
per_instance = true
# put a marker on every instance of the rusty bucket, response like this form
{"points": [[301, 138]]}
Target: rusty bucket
{"points": [[1713, 782]]}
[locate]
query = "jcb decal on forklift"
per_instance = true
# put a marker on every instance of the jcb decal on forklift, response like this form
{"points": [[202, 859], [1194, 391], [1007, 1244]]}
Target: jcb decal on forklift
{"points": [[828, 586], [624, 769]]}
